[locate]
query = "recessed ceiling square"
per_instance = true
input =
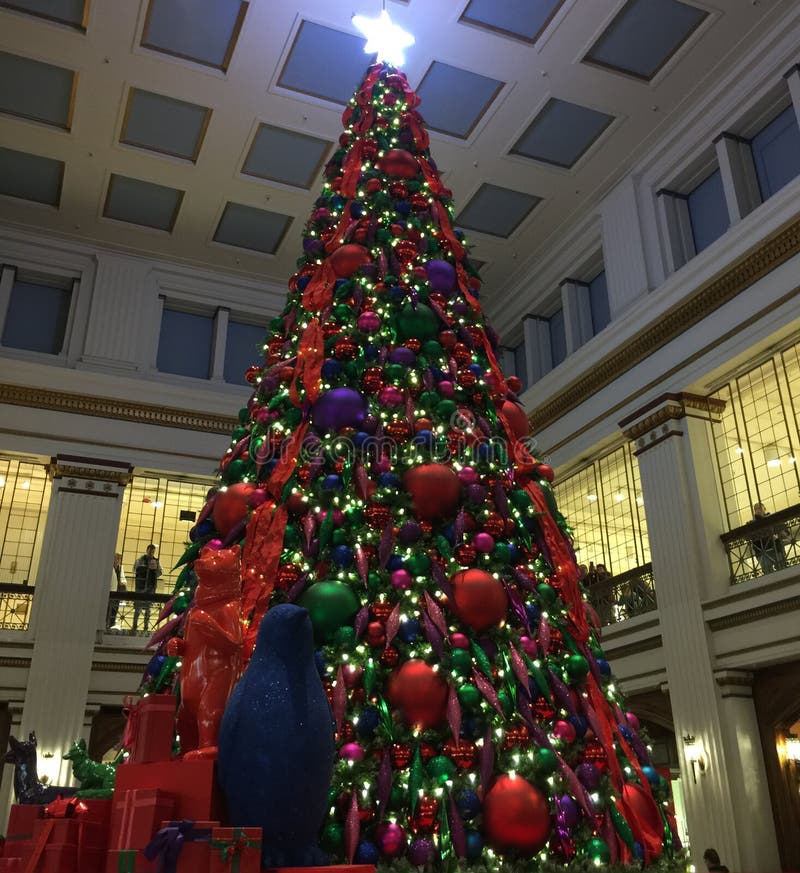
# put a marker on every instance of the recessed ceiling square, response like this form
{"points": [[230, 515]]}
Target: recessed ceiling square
{"points": [[30, 177], [522, 19], [247, 227], [203, 31], [164, 124], [143, 203], [644, 35], [317, 48], [455, 100], [71, 12], [285, 156], [561, 133], [497, 211], [34, 90]]}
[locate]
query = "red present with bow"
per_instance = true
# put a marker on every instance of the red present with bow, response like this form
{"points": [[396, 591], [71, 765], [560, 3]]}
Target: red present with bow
{"points": [[235, 850], [21, 819], [137, 816], [150, 728]]}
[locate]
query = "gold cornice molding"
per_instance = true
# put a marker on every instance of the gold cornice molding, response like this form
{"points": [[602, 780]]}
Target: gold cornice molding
{"points": [[57, 469], [668, 408], [109, 407], [756, 613], [715, 292]]}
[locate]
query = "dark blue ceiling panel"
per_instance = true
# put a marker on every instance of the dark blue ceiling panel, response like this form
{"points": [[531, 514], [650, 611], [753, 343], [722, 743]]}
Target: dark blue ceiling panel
{"points": [[72, 12], [285, 156], [249, 228], [163, 124], [497, 211], [30, 177], [144, 203], [454, 100], [34, 90], [523, 19]]}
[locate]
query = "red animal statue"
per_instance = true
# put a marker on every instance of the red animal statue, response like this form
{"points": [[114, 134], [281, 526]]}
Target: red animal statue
{"points": [[212, 652]]}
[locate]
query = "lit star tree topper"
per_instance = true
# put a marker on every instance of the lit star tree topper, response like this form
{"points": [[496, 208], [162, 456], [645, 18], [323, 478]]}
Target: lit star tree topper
{"points": [[385, 38]]}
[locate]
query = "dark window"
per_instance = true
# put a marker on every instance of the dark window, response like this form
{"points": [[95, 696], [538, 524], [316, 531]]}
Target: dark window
{"points": [[708, 211], [184, 346], [37, 317], [776, 152], [242, 350], [521, 365], [558, 337], [598, 301]]}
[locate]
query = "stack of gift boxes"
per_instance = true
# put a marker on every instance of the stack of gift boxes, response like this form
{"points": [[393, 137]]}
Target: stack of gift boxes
{"points": [[164, 816]]}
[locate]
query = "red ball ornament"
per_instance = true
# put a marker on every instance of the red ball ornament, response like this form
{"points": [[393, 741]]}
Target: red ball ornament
{"points": [[465, 554], [377, 516], [516, 418], [399, 431], [545, 471], [479, 599], [638, 799], [369, 148], [425, 819], [462, 755], [344, 349], [493, 524], [516, 816], [406, 250], [288, 574], [517, 736], [347, 259], [252, 374], [400, 163], [376, 634], [514, 383], [231, 506], [390, 657], [401, 755], [381, 610], [594, 753], [434, 489], [466, 378], [373, 186], [543, 710], [462, 354], [448, 339], [372, 380], [175, 647], [419, 693], [398, 190], [418, 202]]}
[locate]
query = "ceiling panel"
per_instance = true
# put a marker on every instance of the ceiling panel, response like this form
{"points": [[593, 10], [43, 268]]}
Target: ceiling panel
{"points": [[72, 12], [30, 177], [204, 31], [456, 117], [644, 35], [144, 203], [497, 211], [325, 63], [247, 227], [561, 133], [164, 124], [285, 156], [523, 19], [35, 90]]}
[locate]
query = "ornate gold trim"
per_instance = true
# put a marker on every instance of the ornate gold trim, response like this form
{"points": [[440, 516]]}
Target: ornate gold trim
{"points": [[756, 613], [717, 291], [7, 661], [59, 470], [116, 667], [109, 407], [671, 407]]}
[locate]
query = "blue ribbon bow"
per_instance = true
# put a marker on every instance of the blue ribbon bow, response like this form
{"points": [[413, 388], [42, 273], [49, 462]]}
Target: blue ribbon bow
{"points": [[168, 842]]}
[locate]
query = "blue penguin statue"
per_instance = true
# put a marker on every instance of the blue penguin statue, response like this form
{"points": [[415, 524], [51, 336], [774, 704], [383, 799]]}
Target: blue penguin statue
{"points": [[276, 743]]}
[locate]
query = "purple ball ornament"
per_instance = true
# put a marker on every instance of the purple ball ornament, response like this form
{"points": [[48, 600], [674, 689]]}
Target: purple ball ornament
{"points": [[351, 752], [476, 493], [402, 355], [568, 812], [370, 424], [391, 396], [391, 839], [410, 532], [460, 308], [341, 407], [313, 246], [441, 276], [369, 322], [401, 579], [420, 852], [588, 775], [446, 389], [483, 542], [215, 545]]}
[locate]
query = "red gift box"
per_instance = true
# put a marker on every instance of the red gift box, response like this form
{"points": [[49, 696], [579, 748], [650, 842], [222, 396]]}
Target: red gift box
{"points": [[137, 815], [59, 858], [129, 861], [152, 729], [192, 784], [235, 850], [195, 847], [17, 848], [98, 810], [21, 819], [11, 865]]}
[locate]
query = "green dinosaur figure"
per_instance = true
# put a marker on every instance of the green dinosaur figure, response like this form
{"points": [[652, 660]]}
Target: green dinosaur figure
{"points": [[96, 779]]}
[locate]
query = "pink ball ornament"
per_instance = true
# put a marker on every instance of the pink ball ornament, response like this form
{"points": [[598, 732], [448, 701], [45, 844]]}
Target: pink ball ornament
{"points": [[483, 542], [564, 731], [401, 579], [446, 389], [214, 545], [459, 641], [391, 395], [469, 476], [257, 497], [264, 417], [391, 839], [369, 322], [528, 646], [351, 752]]}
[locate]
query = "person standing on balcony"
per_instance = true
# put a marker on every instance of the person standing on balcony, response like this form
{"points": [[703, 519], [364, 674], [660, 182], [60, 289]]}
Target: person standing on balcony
{"points": [[118, 584], [146, 571], [712, 862], [767, 546]]}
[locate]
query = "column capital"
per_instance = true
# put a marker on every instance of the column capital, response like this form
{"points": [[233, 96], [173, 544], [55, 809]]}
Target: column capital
{"points": [[734, 683], [660, 418], [92, 475]]}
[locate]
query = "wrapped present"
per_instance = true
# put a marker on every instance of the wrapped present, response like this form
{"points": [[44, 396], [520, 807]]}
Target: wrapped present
{"points": [[235, 850], [150, 729], [129, 861], [98, 810], [11, 865], [137, 816], [21, 819], [38, 844], [192, 784], [59, 858], [17, 848], [182, 846]]}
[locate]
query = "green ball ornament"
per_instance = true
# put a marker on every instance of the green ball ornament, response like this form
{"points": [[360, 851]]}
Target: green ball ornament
{"points": [[506, 703], [418, 564], [501, 553], [330, 605], [395, 372], [469, 696], [445, 410], [332, 835], [345, 636], [293, 416], [234, 471], [519, 498], [441, 769], [429, 399], [462, 661], [547, 594], [598, 850], [291, 537], [343, 313], [546, 761], [432, 349], [339, 537], [374, 581], [421, 323], [577, 668], [244, 415], [180, 604], [354, 516]]}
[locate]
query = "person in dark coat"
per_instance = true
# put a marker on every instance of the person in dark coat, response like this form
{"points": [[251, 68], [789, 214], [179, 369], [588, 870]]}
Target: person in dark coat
{"points": [[713, 863]]}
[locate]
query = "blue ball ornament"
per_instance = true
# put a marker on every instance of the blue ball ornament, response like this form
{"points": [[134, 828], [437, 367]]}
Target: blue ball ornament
{"points": [[485, 451], [368, 721], [397, 293], [367, 853], [469, 804], [331, 369], [156, 664], [388, 480], [579, 723], [337, 202], [533, 612], [449, 534], [356, 210], [477, 369], [342, 556], [652, 775], [424, 438], [604, 667], [638, 851], [371, 351], [474, 844], [332, 482], [403, 207], [409, 630], [395, 563]]}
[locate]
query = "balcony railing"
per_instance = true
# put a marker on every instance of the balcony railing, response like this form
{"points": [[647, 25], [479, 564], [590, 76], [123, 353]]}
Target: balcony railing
{"points": [[133, 614], [15, 606], [616, 598], [764, 546]]}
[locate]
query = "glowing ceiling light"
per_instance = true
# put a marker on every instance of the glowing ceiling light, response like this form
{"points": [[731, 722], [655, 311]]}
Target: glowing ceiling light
{"points": [[384, 38], [591, 497]]}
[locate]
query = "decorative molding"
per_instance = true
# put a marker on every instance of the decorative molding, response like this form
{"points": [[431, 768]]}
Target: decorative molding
{"points": [[116, 667], [109, 407], [711, 295], [668, 408], [7, 661], [62, 467], [756, 613]]}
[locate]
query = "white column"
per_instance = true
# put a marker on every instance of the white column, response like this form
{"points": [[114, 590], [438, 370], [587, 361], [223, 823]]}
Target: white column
{"points": [[623, 247], [676, 228], [73, 581], [538, 352], [738, 172], [748, 778], [506, 359], [672, 452], [793, 81], [218, 342], [577, 313]]}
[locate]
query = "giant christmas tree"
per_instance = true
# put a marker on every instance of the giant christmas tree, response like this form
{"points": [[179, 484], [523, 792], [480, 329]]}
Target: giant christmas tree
{"points": [[379, 478]]}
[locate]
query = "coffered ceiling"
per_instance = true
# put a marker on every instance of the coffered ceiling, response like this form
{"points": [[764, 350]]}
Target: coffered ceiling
{"points": [[196, 130]]}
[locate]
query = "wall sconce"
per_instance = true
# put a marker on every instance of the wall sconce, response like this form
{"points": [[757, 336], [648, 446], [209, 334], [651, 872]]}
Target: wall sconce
{"points": [[791, 748], [695, 754]]}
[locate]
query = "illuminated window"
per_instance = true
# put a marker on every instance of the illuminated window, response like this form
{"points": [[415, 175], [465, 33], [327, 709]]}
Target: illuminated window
{"points": [[604, 508], [24, 498]]}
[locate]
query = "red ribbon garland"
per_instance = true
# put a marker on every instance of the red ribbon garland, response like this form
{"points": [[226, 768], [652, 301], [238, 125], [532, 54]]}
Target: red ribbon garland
{"points": [[319, 291], [352, 171], [443, 217], [341, 229], [421, 139], [131, 712], [310, 357], [432, 178]]}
